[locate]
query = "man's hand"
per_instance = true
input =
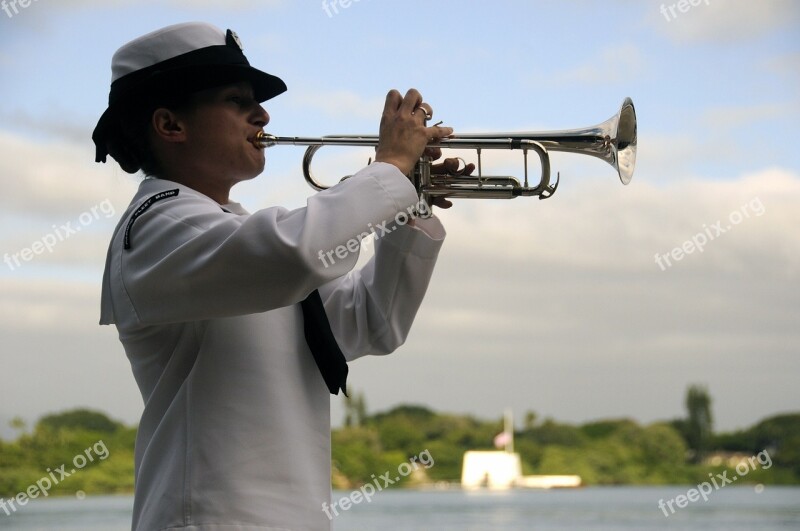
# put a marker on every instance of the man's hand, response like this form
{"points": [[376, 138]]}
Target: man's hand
{"points": [[446, 167], [403, 133]]}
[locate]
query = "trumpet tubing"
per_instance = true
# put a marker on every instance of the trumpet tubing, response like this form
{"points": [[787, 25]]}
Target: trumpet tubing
{"points": [[613, 141]]}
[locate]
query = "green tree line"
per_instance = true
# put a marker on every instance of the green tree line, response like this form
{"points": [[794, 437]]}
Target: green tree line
{"points": [[98, 450], [605, 452]]}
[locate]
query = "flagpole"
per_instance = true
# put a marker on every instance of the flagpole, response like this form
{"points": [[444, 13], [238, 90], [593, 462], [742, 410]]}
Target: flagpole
{"points": [[509, 429]]}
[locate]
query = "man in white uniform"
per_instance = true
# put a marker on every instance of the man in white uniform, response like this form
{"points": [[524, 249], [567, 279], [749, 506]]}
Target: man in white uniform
{"points": [[211, 302]]}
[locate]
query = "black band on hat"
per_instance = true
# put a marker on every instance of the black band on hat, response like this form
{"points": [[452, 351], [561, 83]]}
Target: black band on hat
{"points": [[204, 57]]}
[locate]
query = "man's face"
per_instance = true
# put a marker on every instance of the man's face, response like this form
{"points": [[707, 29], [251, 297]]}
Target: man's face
{"points": [[220, 126]]}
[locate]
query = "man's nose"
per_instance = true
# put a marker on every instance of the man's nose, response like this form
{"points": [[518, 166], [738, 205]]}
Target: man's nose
{"points": [[261, 117]]}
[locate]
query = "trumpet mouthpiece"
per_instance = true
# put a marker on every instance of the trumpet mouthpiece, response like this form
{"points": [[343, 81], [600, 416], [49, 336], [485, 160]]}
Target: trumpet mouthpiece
{"points": [[263, 140]]}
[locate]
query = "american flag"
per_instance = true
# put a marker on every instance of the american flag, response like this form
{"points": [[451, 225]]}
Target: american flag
{"points": [[502, 439]]}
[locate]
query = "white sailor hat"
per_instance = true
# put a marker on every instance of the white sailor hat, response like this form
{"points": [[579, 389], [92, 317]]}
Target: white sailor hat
{"points": [[174, 61]]}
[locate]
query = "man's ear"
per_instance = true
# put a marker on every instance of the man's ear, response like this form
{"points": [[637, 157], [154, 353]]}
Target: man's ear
{"points": [[168, 126]]}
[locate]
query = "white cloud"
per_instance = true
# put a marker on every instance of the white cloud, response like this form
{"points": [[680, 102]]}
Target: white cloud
{"points": [[56, 196], [48, 304], [786, 66], [42, 125], [611, 66], [337, 103], [58, 179], [728, 117], [732, 20], [595, 225], [55, 355], [235, 4], [41, 19]]}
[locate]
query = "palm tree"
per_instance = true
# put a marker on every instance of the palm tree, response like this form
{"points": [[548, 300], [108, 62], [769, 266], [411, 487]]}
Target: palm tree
{"points": [[699, 423]]}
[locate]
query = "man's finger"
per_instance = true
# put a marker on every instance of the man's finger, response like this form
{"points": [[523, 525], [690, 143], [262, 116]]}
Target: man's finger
{"points": [[433, 153], [446, 166], [411, 101], [437, 132], [451, 166], [441, 202], [393, 100]]}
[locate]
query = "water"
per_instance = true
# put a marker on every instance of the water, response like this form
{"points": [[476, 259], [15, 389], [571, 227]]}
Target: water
{"points": [[595, 508]]}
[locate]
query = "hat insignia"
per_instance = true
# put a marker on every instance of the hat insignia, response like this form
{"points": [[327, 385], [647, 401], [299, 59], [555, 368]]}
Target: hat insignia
{"points": [[231, 39]]}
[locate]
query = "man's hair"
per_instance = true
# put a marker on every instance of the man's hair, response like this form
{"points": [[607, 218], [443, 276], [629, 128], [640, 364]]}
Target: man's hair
{"points": [[130, 144]]}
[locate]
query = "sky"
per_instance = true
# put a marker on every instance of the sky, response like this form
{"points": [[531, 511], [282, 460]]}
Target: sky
{"points": [[604, 301]]}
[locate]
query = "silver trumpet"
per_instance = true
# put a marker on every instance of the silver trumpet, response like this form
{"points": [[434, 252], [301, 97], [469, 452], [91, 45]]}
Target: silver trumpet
{"points": [[613, 141]]}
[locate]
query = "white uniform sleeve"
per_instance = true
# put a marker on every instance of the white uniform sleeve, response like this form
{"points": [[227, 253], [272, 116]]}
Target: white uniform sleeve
{"points": [[371, 310], [189, 260]]}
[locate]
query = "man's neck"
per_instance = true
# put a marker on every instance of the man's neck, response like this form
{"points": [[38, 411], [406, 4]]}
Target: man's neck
{"points": [[216, 189]]}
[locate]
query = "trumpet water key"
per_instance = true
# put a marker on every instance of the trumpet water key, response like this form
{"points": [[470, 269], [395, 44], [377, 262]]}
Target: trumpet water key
{"points": [[613, 141]]}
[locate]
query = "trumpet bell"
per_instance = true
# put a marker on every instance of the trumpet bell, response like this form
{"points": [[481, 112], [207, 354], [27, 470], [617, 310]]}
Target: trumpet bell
{"points": [[625, 144], [613, 141]]}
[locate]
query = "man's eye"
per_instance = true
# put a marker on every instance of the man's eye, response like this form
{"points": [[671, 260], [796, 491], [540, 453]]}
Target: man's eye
{"points": [[242, 101]]}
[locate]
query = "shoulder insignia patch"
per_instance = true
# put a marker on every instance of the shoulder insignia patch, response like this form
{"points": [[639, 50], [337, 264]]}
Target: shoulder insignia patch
{"points": [[142, 209]]}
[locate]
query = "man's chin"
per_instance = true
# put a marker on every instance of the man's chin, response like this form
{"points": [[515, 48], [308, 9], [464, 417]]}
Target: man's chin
{"points": [[254, 171], [249, 177]]}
